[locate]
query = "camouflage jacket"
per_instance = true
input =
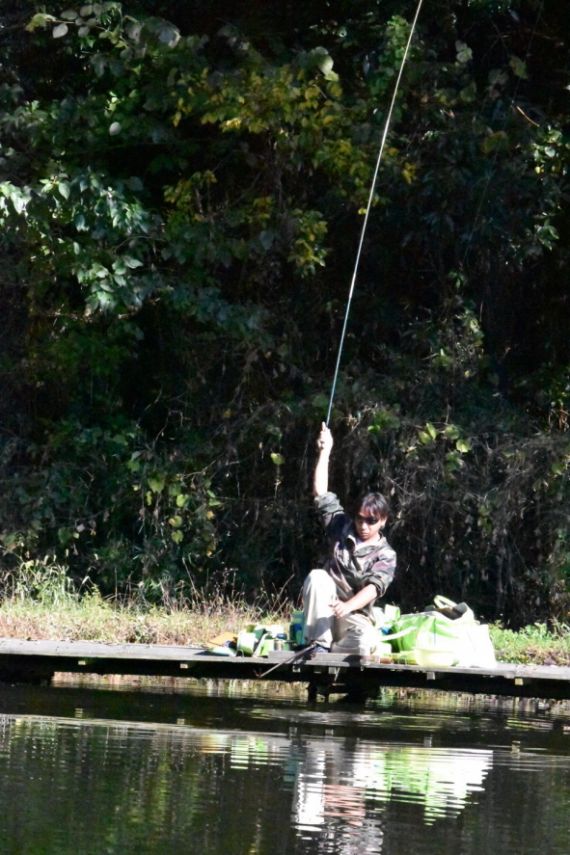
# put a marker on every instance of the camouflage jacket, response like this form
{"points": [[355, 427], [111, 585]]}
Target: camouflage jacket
{"points": [[351, 563]]}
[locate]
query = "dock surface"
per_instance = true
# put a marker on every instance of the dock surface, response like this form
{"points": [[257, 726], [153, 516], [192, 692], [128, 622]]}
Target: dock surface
{"points": [[38, 661]]}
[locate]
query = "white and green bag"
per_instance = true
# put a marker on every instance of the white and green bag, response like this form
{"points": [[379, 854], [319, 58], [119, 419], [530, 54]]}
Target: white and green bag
{"points": [[442, 635]]}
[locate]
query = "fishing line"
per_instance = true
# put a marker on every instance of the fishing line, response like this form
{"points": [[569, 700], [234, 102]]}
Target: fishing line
{"points": [[369, 206]]}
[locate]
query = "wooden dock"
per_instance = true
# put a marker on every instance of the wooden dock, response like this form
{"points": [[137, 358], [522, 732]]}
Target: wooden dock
{"points": [[325, 674]]}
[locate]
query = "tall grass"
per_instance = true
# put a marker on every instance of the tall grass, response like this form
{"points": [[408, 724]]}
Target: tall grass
{"points": [[39, 601]]}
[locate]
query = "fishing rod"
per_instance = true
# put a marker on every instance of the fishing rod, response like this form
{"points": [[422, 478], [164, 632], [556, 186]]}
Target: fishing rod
{"points": [[369, 206]]}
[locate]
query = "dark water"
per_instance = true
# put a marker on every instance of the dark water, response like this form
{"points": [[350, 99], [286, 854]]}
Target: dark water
{"points": [[104, 771]]}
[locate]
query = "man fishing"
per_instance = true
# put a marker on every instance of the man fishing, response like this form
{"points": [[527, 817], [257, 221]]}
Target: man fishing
{"points": [[338, 599]]}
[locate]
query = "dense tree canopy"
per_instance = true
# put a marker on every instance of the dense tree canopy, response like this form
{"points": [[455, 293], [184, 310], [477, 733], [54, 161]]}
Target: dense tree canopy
{"points": [[181, 192]]}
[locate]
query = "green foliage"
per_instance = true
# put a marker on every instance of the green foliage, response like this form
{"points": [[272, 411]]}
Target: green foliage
{"points": [[131, 513], [535, 644], [180, 206], [41, 580], [476, 503]]}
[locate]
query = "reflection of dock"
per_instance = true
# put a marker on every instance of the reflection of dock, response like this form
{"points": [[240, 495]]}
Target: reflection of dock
{"points": [[29, 661]]}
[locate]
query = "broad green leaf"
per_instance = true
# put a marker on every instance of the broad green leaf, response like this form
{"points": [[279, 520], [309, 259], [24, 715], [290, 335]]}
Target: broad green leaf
{"points": [[519, 67], [431, 430], [464, 52], [277, 458], [169, 34], [451, 432], [326, 66], [19, 200], [156, 484], [131, 262], [134, 30], [59, 31]]}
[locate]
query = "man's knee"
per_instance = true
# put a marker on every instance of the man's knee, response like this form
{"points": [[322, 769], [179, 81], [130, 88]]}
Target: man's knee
{"points": [[318, 574], [317, 580]]}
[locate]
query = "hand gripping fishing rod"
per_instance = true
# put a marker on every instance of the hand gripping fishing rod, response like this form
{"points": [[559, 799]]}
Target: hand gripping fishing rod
{"points": [[369, 206]]}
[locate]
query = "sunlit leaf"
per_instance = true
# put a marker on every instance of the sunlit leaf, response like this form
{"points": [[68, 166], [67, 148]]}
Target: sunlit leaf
{"points": [[39, 20], [131, 262], [464, 52], [156, 484], [432, 431], [519, 67]]}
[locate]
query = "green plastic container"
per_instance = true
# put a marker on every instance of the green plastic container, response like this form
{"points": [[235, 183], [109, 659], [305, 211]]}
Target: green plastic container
{"points": [[297, 627]]}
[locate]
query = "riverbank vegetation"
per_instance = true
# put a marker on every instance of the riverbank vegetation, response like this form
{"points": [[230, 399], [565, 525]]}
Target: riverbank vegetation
{"points": [[181, 194], [39, 603]]}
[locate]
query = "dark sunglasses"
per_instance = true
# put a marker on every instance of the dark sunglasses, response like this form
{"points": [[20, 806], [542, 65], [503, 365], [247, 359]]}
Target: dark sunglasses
{"points": [[368, 520]]}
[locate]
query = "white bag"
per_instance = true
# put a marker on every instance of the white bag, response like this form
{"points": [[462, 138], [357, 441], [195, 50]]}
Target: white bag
{"points": [[474, 648]]}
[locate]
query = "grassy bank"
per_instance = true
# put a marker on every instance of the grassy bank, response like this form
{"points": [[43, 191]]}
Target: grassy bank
{"points": [[533, 645], [92, 618], [67, 617]]}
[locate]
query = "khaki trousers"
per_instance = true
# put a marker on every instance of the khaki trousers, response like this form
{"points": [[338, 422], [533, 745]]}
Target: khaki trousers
{"points": [[354, 633]]}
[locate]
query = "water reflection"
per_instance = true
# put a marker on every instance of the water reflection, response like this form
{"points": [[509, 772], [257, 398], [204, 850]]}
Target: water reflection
{"points": [[333, 782], [297, 781]]}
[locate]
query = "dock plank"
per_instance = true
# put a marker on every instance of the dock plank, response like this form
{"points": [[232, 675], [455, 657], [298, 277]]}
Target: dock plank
{"points": [[23, 660]]}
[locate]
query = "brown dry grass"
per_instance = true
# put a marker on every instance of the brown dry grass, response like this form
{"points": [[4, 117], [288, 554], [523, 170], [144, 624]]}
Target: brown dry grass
{"points": [[55, 613], [95, 619]]}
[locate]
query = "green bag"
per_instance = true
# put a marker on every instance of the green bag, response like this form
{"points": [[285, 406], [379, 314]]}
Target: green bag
{"points": [[424, 629], [444, 634]]}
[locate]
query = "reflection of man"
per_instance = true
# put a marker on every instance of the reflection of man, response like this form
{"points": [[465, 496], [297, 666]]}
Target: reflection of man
{"points": [[341, 787], [309, 802], [328, 803]]}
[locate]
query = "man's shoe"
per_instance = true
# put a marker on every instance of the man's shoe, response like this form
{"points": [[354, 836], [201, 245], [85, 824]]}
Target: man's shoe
{"points": [[320, 648], [316, 649]]}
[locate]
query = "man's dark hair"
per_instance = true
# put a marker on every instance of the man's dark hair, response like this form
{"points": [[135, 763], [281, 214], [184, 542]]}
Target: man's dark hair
{"points": [[374, 504]]}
